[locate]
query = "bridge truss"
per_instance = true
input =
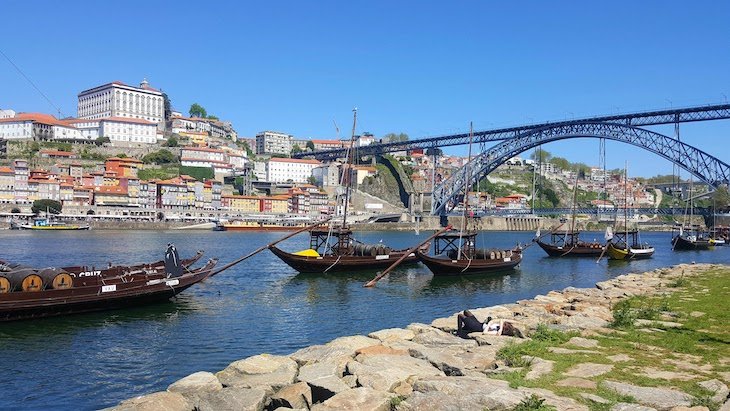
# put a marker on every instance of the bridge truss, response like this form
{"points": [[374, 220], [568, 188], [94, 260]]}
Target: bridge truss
{"points": [[709, 169]]}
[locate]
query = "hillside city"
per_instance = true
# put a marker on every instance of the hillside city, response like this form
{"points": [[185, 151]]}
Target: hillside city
{"points": [[128, 154]]}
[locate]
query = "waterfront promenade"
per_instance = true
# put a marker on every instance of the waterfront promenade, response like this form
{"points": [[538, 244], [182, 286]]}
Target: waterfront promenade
{"points": [[608, 347]]}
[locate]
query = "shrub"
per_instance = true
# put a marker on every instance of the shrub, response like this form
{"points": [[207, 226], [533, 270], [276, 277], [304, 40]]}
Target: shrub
{"points": [[533, 403], [623, 315]]}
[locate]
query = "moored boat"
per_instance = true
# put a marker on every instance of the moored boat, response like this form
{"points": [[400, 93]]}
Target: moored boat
{"points": [[691, 238], [27, 292], [619, 247], [455, 254], [45, 224], [262, 225], [569, 244]]}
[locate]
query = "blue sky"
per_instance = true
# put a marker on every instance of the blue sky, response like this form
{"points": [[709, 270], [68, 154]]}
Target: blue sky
{"points": [[421, 67]]}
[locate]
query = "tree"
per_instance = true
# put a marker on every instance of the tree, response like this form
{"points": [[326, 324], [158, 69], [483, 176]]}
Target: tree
{"points": [[721, 198], [296, 149], [312, 180], [434, 151], [52, 206], [392, 137], [541, 154], [196, 110], [168, 107], [172, 142], [159, 157], [310, 145], [212, 117], [101, 140], [561, 163]]}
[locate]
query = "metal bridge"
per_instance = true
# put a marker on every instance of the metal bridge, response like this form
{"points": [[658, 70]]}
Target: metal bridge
{"points": [[588, 211], [649, 118]]}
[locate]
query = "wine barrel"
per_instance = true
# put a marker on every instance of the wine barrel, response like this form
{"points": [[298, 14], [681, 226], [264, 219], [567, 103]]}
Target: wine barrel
{"points": [[4, 285], [56, 278], [25, 279]]}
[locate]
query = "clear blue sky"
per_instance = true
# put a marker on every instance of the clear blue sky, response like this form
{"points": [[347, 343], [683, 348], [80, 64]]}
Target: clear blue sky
{"points": [[421, 67]]}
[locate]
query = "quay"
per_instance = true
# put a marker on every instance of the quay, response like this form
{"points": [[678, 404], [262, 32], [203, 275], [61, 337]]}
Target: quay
{"points": [[609, 347]]}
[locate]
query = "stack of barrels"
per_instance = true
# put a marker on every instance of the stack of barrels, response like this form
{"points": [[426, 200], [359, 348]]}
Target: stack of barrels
{"points": [[481, 254], [23, 278], [364, 250]]}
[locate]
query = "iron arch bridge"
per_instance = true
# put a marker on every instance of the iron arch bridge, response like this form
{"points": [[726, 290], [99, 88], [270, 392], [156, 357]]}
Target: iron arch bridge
{"points": [[700, 164]]}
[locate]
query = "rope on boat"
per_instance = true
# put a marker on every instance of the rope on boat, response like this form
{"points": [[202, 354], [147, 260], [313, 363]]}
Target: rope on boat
{"points": [[334, 264]]}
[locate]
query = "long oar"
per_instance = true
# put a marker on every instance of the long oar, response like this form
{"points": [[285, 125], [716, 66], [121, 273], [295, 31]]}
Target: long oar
{"points": [[267, 246], [403, 257]]}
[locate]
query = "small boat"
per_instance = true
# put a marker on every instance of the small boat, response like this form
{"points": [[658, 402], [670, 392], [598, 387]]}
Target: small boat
{"points": [[334, 250], [619, 246], [569, 244], [47, 225], [690, 238], [720, 234], [27, 292], [458, 256], [262, 225]]}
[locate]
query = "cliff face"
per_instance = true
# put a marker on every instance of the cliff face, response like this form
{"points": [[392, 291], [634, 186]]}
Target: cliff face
{"points": [[383, 185]]}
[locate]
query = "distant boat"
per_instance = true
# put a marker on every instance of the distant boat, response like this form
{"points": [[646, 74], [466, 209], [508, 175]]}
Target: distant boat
{"points": [[291, 224], [48, 225], [691, 238]]}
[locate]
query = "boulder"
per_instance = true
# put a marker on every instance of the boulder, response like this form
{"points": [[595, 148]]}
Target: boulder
{"points": [[380, 350], [196, 384], [538, 368], [324, 380], [588, 370], [717, 387], [437, 338], [317, 353], [233, 399], [362, 399], [659, 398], [392, 334], [456, 361], [577, 383], [498, 341], [462, 393], [385, 372], [298, 396], [159, 401], [353, 343], [624, 406], [594, 398], [263, 370]]}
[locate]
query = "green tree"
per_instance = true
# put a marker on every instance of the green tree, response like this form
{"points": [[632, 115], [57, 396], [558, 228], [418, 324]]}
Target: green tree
{"points": [[212, 117], [561, 163], [196, 110], [172, 142], [52, 206], [310, 145], [159, 157], [541, 154], [392, 137], [721, 198], [296, 149], [434, 151], [101, 140], [312, 180], [167, 106]]}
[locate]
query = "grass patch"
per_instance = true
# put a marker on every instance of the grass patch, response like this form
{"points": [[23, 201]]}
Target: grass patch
{"points": [[533, 403], [699, 303], [162, 173], [395, 401]]}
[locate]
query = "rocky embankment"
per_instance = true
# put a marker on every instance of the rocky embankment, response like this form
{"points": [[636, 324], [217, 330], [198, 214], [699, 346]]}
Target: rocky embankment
{"points": [[426, 367]]}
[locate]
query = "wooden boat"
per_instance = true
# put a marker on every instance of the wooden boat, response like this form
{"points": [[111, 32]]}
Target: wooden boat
{"points": [[27, 292], [45, 224], [720, 234], [690, 238], [335, 251], [620, 248], [569, 244], [459, 256]]}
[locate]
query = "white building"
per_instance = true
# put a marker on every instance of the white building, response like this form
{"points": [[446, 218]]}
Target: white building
{"points": [[365, 140], [117, 99], [282, 170], [37, 126], [128, 130], [272, 142], [202, 157], [7, 113]]}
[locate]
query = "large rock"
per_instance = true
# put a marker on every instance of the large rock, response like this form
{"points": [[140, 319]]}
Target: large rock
{"points": [[539, 367], [233, 399], [625, 406], [361, 399], [393, 334], [380, 350], [659, 398], [456, 361], [577, 383], [318, 353], [583, 342], [324, 380], [196, 384], [438, 338], [719, 389], [159, 401], [588, 370], [263, 370], [461, 393], [353, 342], [560, 403], [296, 396], [386, 372]]}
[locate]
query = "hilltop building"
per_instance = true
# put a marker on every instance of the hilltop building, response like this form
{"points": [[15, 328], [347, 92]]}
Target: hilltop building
{"points": [[273, 142], [117, 99]]}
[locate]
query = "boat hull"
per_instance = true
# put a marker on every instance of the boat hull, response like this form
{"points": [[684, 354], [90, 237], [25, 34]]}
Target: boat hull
{"points": [[448, 267], [94, 292], [329, 263], [616, 253], [264, 228], [681, 243], [577, 251], [55, 228]]}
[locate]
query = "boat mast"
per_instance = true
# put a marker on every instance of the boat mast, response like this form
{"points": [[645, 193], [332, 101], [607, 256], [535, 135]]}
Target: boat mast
{"points": [[575, 205], [348, 177], [626, 204], [464, 224]]}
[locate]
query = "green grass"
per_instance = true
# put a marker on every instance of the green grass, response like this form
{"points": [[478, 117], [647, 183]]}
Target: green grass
{"points": [[706, 337]]}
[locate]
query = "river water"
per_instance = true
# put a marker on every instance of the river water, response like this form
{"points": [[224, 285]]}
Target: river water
{"points": [[92, 361]]}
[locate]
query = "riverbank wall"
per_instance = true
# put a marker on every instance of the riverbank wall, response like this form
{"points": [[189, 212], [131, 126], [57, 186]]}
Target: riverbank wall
{"points": [[427, 367]]}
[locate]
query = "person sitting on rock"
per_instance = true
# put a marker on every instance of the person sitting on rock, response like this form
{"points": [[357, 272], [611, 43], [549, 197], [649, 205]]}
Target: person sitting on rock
{"points": [[467, 323]]}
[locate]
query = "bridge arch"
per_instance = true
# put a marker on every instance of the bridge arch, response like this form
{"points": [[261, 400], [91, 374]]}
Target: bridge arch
{"points": [[707, 168]]}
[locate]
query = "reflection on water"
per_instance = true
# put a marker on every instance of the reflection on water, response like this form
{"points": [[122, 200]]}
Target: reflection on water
{"points": [[259, 306]]}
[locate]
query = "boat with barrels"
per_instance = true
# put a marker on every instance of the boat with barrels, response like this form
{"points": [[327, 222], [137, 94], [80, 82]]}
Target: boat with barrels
{"points": [[691, 237], [455, 254], [332, 249], [27, 292], [626, 245], [568, 244]]}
